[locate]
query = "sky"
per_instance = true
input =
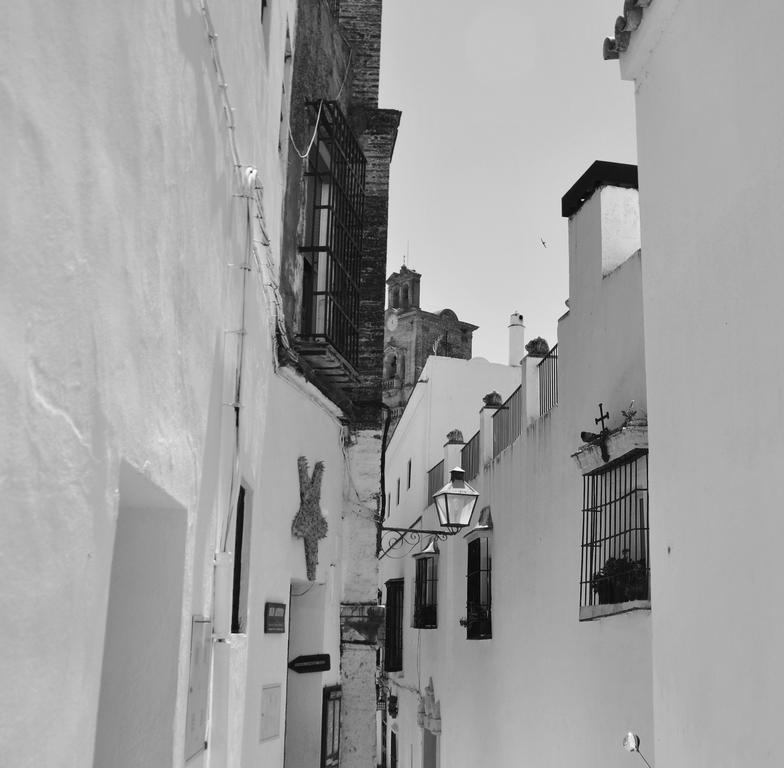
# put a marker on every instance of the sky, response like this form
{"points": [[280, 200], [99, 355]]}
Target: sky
{"points": [[505, 104]]}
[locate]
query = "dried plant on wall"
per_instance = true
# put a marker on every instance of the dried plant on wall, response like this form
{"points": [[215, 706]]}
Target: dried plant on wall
{"points": [[309, 524]]}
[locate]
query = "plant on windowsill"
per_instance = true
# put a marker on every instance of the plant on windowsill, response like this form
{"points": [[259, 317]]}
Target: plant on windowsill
{"points": [[425, 617], [620, 580], [478, 622]]}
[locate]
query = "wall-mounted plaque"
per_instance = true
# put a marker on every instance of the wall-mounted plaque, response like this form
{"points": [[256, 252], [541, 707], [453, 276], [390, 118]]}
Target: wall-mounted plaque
{"points": [[275, 617]]}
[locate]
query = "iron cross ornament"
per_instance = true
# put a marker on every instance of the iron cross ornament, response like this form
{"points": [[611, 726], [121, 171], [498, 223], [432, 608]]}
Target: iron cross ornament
{"points": [[601, 437]]}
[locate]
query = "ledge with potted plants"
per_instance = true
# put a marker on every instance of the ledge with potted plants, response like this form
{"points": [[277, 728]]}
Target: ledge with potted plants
{"points": [[620, 585]]}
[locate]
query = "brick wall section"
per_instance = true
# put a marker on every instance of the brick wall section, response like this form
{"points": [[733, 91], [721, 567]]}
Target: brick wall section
{"points": [[321, 56], [378, 141], [360, 21]]}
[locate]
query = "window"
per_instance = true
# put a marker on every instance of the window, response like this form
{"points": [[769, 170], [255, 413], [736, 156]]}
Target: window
{"points": [[330, 727], [393, 645], [409, 473], [389, 504], [332, 246], [615, 565], [397, 499], [478, 615], [426, 591], [239, 603], [384, 727]]}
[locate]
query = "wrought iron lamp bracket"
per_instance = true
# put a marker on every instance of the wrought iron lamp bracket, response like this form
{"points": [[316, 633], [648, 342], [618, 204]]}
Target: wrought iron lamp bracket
{"points": [[395, 537]]}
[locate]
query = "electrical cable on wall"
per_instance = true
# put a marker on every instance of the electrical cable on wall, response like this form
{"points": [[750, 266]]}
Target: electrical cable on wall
{"points": [[252, 190], [237, 403], [255, 192], [304, 155]]}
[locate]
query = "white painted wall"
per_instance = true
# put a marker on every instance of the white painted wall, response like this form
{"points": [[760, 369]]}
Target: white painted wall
{"points": [[448, 396], [546, 689], [711, 160], [121, 223]]}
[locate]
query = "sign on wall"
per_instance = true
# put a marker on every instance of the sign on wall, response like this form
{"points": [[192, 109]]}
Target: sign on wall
{"points": [[317, 662], [274, 617]]}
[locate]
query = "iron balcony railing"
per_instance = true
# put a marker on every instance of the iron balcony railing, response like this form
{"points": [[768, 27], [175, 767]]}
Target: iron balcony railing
{"points": [[469, 457], [548, 381], [615, 564], [435, 481], [508, 422]]}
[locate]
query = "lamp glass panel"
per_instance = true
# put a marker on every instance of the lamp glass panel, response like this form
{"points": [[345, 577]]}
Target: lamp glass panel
{"points": [[455, 509]]}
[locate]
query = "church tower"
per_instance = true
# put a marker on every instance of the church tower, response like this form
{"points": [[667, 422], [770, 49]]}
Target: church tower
{"points": [[411, 335]]}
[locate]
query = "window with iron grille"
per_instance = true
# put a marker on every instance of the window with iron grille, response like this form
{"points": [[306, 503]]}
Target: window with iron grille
{"points": [[393, 644], [425, 592], [615, 566], [330, 726], [241, 581], [332, 245], [478, 604]]}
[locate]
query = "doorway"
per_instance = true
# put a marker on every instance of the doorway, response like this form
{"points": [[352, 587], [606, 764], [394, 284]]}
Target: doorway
{"points": [[304, 689], [429, 750], [135, 723]]}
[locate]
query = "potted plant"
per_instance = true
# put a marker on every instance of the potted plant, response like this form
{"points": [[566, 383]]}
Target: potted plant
{"points": [[621, 579]]}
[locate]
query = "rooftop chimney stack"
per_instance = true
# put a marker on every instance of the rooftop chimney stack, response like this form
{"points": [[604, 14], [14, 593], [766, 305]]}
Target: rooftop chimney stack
{"points": [[516, 338], [604, 226]]}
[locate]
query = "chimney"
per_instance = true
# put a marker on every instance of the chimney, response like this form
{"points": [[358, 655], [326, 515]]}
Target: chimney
{"points": [[453, 449], [604, 225], [516, 338]]}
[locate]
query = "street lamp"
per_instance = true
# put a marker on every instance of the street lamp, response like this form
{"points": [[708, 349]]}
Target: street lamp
{"points": [[455, 504], [631, 743]]}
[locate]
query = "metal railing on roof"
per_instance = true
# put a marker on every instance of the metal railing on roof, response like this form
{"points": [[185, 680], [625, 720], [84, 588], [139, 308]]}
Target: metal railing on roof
{"points": [[469, 457], [548, 381], [508, 422], [435, 481]]}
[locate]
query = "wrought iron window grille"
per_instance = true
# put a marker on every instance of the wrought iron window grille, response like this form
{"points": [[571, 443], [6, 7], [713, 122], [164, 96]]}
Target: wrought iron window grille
{"points": [[615, 564], [393, 641], [425, 592], [478, 620], [332, 241]]}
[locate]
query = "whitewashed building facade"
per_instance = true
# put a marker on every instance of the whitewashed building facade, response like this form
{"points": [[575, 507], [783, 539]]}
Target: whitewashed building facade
{"points": [[711, 157], [526, 640]]}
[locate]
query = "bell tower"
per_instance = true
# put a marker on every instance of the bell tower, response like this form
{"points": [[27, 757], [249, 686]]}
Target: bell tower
{"points": [[411, 335]]}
